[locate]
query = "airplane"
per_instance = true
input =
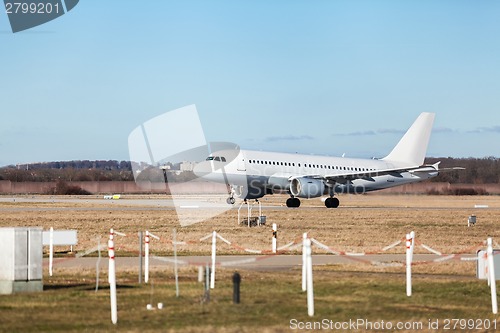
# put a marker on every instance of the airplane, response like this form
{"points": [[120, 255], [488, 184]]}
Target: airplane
{"points": [[251, 174]]}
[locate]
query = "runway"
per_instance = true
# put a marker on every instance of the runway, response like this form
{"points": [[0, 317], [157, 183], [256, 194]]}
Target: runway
{"points": [[153, 203], [245, 262]]}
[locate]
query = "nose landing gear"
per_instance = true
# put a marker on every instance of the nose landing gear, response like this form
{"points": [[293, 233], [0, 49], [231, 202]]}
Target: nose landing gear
{"points": [[231, 191]]}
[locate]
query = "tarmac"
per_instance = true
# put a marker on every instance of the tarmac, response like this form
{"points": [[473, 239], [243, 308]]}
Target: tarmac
{"points": [[246, 262]]}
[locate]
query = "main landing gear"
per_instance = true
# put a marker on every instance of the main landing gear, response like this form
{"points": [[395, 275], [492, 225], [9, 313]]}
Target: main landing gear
{"points": [[293, 202], [332, 202]]}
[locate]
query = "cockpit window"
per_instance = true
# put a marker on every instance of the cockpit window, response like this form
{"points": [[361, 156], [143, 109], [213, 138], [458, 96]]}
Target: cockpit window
{"points": [[216, 158]]}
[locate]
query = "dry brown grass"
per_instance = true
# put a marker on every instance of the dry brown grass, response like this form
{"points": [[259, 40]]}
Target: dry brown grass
{"points": [[271, 299], [362, 223]]}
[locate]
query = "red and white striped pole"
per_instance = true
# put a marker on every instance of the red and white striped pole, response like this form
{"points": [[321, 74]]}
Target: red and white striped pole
{"points": [[112, 277], [412, 246], [408, 264]]}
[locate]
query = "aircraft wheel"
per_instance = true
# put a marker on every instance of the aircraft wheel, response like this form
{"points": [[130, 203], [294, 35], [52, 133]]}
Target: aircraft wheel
{"points": [[328, 202], [230, 201], [292, 202], [332, 202]]}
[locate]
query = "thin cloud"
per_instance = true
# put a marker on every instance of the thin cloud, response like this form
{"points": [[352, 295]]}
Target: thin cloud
{"points": [[396, 131], [360, 133], [289, 138], [390, 131], [490, 129], [368, 133], [444, 130]]}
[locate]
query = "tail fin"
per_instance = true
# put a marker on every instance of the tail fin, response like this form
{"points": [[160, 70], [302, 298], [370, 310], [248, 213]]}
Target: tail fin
{"points": [[412, 147]]}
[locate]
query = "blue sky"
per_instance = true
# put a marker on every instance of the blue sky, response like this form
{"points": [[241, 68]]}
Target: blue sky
{"points": [[323, 77]]}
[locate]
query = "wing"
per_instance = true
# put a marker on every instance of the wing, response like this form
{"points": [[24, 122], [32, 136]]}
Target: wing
{"points": [[343, 178], [283, 179]]}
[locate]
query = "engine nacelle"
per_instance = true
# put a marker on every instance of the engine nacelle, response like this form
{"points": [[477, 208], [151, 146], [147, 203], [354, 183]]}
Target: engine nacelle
{"points": [[307, 187]]}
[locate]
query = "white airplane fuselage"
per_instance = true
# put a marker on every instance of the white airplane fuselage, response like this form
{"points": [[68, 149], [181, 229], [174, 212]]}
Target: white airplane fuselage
{"points": [[261, 170], [252, 174]]}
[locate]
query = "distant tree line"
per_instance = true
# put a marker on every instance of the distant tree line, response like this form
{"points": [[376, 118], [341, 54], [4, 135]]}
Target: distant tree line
{"points": [[69, 171], [84, 164], [477, 171]]}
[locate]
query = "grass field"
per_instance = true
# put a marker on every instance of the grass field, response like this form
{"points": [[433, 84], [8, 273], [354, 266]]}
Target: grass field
{"points": [[362, 223], [270, 300]]}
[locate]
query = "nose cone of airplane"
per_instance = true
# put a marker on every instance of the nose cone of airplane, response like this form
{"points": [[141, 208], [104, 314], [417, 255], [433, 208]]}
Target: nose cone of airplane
{"points": [[203, 169]]}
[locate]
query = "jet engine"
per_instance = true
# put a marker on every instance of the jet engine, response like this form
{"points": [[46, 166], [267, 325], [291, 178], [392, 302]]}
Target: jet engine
{"points": [[307, 187]]}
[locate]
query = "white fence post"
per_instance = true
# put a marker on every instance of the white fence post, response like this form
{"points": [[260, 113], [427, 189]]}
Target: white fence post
{"points": [[212, 273], [491, 270], [140, 256], [309, 278], [304, 285], [200, 274], [51, 250], [408, 264], [146, 257], [275, 235], [112, 278]]}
